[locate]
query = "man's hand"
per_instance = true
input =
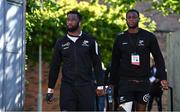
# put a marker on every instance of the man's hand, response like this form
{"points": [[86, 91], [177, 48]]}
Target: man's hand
{"points": [[164, 84], [100, 91], [49, 96]]}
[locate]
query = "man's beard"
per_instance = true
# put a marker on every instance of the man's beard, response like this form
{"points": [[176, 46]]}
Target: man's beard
{"points": [[73, 29], [135, 26]]}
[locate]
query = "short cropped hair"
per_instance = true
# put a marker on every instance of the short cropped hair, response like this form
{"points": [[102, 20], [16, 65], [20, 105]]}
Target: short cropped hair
{"points": [[75, 12], [132, 10]]}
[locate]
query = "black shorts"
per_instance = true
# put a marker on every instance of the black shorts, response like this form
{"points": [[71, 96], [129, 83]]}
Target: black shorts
{"points": [[133, 90], [77, 97]]}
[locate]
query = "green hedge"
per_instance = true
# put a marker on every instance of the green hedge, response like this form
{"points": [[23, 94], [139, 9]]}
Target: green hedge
{"points": [[102, 20]]}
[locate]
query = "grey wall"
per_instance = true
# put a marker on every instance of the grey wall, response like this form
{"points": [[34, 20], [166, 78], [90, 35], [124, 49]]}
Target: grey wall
{"points": [[173, 66], [1, 50], [12, 54]]}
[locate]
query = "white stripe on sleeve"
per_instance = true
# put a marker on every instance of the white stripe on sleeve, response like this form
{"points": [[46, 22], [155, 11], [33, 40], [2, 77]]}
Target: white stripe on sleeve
{"points": [[96, 47]]}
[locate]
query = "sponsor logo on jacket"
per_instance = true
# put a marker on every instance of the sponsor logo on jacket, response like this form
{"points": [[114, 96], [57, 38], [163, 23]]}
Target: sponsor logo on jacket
{"points": [[85, 43], [66, 45], [141, 43]]}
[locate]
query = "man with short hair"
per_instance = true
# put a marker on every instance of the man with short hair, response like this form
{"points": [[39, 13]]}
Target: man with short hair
{"points": [[79, 53], [131, 64]]}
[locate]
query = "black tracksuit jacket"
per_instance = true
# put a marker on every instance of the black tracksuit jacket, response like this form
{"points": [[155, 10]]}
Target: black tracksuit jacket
{"points": [[145, 43], [78, 60]]}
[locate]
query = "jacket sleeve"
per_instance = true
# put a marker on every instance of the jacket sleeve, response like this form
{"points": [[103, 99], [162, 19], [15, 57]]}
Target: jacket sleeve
{"points": [[158, 58], [97, 64], [107, 74], [55, 66], [115, 63]]}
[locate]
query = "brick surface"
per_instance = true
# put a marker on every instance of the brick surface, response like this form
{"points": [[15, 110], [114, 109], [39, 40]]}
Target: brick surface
{"points": [[31, 92]]}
